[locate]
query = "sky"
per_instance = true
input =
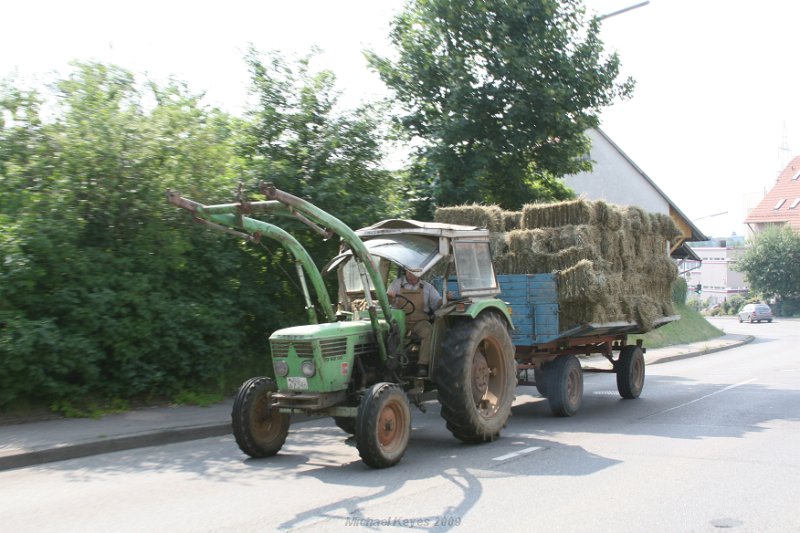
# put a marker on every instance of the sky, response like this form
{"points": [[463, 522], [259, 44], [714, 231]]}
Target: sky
{"points": [[712, 121]]}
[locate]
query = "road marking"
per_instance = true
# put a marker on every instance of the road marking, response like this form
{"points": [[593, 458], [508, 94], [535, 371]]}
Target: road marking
{"points": [[518, 453], [729, 387], [605, 393]]}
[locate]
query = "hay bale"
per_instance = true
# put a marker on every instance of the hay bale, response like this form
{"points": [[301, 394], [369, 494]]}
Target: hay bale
{"points": [[552, 215], [664, 226], [580, 282], [607, 216], [512, 220], [611, 261], [636, 220], [498, 244], [482, 216]]}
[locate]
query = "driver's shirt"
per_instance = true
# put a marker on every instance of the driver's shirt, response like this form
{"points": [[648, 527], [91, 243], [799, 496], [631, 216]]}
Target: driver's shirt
{"points": [[431, 295]]}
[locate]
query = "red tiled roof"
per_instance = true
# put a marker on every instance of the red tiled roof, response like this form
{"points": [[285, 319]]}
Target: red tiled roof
{"points": [[786, 188]]}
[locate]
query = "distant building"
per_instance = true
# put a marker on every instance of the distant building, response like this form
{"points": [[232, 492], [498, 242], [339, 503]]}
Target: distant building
{"points": [[618, 180], [715, 274], [781, 205]]}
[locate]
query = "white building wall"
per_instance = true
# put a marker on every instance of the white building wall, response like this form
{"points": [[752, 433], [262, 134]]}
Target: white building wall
{"points": [[615, 179], [717, 275]]}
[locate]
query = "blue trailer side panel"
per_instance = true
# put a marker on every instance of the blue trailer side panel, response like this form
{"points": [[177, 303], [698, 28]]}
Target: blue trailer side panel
{"points": [[534, 303]]}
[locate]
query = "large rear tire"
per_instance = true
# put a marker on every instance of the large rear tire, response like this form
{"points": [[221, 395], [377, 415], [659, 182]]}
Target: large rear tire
{"points": [[630, 372], [476, 376], [260, 430], [565, 385], [383, 425]]}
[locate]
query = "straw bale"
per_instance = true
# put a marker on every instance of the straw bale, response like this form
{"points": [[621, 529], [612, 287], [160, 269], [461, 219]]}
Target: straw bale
{"points": [[664, 226], [512, 220], [498, 244], [612, 261], [636, 220], [572, 315], [607, 215], [483, 216], [580, 283], [551, 215], [522, 240]]}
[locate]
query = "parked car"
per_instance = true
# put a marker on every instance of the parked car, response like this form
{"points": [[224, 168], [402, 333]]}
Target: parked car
{"points": [[755, 313]]}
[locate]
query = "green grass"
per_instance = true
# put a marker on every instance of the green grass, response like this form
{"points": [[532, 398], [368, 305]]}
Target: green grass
{"points": [[691, 327]]}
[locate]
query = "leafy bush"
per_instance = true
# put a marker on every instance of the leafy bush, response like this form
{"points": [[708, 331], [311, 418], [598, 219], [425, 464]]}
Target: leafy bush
{"points": [[788, 307], [109, 292], [735, 304], [679, 291]]}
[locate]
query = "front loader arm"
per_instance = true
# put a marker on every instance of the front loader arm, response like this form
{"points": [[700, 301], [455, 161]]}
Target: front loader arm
{"points": [[320, 216], [226, 216]]}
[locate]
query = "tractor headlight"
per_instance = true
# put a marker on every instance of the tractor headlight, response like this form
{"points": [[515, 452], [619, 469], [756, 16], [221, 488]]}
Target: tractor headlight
{"points": [[308, 368], [281, 368]]}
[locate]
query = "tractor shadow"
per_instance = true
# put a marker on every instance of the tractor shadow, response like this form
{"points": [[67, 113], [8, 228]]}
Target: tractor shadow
{"points": [[434, 463]]}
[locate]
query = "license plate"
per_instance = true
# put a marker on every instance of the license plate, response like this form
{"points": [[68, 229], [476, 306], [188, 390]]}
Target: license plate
{"points": [[297, 383]]}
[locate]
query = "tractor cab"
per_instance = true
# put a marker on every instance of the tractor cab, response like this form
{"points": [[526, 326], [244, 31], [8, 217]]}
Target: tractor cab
{"points": [[454, 258]]}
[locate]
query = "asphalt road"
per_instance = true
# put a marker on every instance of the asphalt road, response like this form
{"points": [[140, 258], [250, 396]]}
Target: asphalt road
{"points": [[713, 443]]}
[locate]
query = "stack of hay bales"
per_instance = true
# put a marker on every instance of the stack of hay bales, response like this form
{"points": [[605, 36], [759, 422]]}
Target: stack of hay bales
{"points": [[611, 261]]}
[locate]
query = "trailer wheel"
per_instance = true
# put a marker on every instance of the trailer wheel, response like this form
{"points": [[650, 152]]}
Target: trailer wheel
{"points": [[476, 376], [630, 372], [383, 425], [346, 424], [540, 380], [565, 385], [259, 429]]}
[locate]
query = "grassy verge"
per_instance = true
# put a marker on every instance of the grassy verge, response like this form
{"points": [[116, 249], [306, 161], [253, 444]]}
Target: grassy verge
{"points": [[692, 327]]}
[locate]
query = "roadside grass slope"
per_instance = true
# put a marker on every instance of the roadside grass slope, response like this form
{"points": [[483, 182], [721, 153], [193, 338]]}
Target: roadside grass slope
{"points": [[692, 327]]}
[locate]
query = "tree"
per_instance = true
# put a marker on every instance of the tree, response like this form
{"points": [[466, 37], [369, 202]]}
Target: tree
{"points": [[772, 263], [302, 141], [501, 92]]}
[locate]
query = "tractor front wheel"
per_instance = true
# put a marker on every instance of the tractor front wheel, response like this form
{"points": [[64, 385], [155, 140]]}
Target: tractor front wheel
{"points": [[383, 425], [260, 430]]}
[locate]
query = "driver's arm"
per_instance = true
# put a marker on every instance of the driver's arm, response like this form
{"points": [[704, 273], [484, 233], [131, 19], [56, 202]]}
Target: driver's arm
{"points": [[393, 288]]}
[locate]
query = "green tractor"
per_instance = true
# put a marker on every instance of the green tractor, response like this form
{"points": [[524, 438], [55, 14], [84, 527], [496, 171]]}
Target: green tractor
{"points": [[358, 366]]}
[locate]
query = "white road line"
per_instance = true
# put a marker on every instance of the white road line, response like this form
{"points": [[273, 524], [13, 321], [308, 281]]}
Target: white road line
{"points": [[518, 453], [729, 387]]}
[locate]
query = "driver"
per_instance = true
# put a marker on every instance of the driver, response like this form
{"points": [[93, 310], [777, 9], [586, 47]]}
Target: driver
{"points": [[426, 300]]}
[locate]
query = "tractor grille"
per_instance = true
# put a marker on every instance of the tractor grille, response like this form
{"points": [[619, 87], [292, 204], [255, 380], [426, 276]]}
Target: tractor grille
{"points": [[365, 349], [333, 347], [303, 348]]}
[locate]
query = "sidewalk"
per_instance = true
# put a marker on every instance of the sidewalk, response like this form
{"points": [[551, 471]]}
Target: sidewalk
{"points": [[35, 443]]}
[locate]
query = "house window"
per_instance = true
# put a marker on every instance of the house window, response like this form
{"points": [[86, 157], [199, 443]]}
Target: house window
{"points": [[794, 204], [779, 204]]}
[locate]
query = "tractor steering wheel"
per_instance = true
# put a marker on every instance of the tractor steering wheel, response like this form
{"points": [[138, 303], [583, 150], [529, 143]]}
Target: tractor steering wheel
{"points": [[406, 306]]}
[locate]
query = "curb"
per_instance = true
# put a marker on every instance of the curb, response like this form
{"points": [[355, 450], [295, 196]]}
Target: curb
{"points": [[113, 444], [735, 344]]}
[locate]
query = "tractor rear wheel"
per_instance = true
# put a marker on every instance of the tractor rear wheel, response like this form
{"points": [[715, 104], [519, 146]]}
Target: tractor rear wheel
{"points": [[630, 372], [476, 376], [565, 385], [259, 429], [383, 425]]}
